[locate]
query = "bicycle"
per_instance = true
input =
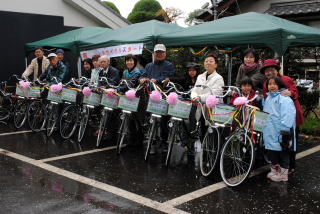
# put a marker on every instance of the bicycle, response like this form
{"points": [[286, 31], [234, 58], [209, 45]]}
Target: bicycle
{"points": [[157, 108], [210, 147], [53, 109], [6, 103], [127, 105], [23, 94], [238, 153], [36, 112], [178, 112], [109, 101], [70, 113]]}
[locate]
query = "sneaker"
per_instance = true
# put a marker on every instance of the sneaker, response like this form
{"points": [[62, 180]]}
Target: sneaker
{"points": [[280, 176], [274, 170]]}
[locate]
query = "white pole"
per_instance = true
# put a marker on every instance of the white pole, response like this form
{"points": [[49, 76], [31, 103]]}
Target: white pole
{"points": [[26, 62], [79, 67], [282, 65]]}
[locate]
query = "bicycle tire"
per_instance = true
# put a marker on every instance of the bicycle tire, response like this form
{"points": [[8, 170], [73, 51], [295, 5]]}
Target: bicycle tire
{"points": [[151, 134], [5, 107], [51, 119], [210, 151], [68, 121], [36, 115], [171, 140], [121, 133], [85, 112], [20, 113], [102, 126], [239, 148]]}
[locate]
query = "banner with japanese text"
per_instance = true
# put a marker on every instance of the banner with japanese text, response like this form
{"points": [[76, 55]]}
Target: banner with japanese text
{"points": [[114, 51]]}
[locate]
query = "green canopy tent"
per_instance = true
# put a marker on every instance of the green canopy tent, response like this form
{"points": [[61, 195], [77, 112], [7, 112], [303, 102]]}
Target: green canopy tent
{"points": [[248, 28], [143, 32], [69, 40]]}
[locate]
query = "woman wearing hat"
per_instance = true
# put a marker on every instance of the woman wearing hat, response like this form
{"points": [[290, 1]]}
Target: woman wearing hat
{"points": [[271, 68]]}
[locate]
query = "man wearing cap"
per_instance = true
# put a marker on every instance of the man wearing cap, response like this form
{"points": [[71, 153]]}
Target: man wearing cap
{"points": [[38, 65], [160, 69], [157, 72], [56, 69]]}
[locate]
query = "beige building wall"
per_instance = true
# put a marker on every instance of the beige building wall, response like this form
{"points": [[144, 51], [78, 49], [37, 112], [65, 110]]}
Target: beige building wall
{"points": [[77, 13]]}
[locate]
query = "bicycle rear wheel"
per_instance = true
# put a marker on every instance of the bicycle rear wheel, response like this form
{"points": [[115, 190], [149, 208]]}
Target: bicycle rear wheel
{"points": [[210, 151], [52, 118], [5, 107], [85, 112], [68, 121], [237, 158], [36, 116], [20, 113]]}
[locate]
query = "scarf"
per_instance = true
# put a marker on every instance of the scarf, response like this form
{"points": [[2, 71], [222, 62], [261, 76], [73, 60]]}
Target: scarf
{"points": [[249, 68]]}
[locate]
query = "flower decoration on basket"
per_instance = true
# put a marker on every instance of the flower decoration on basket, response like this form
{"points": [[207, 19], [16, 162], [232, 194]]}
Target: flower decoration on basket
{"points": [[172, 98], [240, 101], [56, 88], [110, 92], [131, 94], [212, 101], [86, 91], [155, 96], [24, 84]]}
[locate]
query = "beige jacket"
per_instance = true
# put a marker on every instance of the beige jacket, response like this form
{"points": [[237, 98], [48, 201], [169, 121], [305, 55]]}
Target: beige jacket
{"points": [[214, 82], [33, 68]]}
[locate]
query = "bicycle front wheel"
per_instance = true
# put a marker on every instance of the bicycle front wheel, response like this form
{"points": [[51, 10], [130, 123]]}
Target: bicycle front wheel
{"points": [[52, 118], [20, 113], [68, 121], [237, 157], [210, 151], [151, 134], [85, 112], [102, 126], [5, 107], [122, 132], [171, 140], [36, 116]]}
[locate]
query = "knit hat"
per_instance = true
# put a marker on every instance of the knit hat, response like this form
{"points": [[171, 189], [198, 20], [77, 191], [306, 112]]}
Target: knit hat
{"points": [[270, 63]]}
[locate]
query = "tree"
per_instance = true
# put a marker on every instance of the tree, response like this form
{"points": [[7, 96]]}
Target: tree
{"points": [[170, 14], [145, 10], [191, 19], [113, 7]]}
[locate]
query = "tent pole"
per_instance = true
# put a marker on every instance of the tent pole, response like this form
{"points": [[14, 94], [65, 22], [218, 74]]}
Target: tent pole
{"points": [[79, 67], [229, 69], [282, 65]]}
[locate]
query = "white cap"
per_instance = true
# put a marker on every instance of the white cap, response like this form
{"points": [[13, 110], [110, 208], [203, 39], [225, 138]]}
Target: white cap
{"points": [[159, 47], [52, 55]]}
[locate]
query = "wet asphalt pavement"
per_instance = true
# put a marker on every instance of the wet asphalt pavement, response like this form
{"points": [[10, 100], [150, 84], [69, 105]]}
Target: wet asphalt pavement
{"points": [[26, 187]]}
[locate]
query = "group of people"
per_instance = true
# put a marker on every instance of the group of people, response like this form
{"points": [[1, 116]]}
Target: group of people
{"points": [[280, 95]]}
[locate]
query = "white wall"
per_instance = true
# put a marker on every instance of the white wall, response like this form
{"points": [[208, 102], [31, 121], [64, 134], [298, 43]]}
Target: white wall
{"points": [[73, 14]]}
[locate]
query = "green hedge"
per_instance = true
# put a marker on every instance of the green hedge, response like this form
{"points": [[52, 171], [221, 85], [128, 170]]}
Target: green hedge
{"points": [[311, 126]]}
